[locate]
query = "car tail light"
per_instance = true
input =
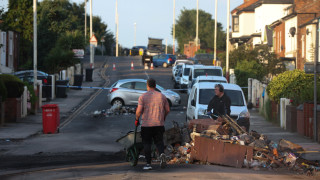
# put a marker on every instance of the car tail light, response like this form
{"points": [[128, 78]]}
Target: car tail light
{"points": [[45, 81], [169, 60], [113, 89]]}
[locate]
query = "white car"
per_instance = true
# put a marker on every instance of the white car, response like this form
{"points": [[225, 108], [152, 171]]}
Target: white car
{"points": [[203, 92], [205, 71], [219, 79]]}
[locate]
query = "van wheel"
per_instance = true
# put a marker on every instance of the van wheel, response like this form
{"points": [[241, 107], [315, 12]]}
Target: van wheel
{"points": [[165, 65]]}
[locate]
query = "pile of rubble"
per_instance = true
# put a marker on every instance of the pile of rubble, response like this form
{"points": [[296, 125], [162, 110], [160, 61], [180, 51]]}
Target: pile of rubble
{"points": [[115, 110], [214, 142]]}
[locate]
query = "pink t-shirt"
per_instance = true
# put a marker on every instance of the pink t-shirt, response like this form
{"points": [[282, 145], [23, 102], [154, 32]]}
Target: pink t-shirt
{"points": [[153, 111]]}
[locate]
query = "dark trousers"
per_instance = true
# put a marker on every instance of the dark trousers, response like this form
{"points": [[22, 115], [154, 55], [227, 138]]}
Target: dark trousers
{"points": [[149, 135]]}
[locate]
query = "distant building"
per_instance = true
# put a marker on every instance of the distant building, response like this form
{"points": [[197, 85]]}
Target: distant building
{"points": [[190, 49]]}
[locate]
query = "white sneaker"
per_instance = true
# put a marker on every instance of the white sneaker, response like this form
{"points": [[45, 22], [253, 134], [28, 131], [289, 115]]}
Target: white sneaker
{"points": [[163, 161], [147, 167]]}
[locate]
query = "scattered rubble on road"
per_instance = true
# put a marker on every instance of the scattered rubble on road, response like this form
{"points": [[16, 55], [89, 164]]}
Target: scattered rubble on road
{"points": [[206, 141], [115, 110]]}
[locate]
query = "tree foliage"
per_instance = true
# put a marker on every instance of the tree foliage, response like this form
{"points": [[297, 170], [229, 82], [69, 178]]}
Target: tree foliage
{"points": [[60, 29], [295, 85], [186, 30]]}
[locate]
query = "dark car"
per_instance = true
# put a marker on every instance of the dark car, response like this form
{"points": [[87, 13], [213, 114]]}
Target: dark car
{"points": [[135, 50], [27, 76], [206, 59]]}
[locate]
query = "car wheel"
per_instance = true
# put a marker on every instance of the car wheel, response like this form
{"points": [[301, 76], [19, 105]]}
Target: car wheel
{"points": [[117, 102], [165, 65]]}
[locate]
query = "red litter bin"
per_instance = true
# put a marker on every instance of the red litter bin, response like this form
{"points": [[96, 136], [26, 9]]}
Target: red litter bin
{"points": [[50, 118]]}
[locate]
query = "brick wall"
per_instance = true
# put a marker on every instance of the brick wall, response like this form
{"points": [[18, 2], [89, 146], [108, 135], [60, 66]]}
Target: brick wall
{"points": [[279, 40]]}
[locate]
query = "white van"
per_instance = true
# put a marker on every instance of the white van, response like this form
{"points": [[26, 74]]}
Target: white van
{"points": [[201, 94], [219, 79], [205, 71], [184, 80]]}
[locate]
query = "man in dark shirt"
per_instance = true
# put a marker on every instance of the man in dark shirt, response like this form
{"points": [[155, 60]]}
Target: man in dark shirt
{"points": [[220, 103]]}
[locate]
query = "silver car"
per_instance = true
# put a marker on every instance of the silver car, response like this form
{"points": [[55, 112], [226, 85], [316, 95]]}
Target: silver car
{"points": [[128, 91]]}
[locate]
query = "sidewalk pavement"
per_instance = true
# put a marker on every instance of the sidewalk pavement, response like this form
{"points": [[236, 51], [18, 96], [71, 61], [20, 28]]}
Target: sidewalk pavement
{"points": [[32, 124]]}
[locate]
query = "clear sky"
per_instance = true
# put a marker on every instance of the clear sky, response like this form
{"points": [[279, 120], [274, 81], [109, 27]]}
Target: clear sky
{"points": [[153, 18]]}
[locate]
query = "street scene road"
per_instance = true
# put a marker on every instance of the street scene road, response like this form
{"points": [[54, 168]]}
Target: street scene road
{"points": [[86, 145]]}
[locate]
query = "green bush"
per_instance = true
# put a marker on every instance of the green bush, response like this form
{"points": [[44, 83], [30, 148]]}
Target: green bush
{"points": [[295, 85], [13, 85], [3, 90]]}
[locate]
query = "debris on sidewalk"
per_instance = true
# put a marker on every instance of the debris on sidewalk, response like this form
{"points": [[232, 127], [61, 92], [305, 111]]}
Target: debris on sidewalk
{"points": [[209, 141], [115, 110]]}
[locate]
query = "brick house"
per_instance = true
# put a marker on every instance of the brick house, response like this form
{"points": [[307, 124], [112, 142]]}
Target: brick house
{"points": [[9, 51], [250, 21], [190, 49], [290, 39]]}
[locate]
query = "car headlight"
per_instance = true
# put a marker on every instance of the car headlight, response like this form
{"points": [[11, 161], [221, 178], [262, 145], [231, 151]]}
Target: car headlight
{"points": [[244, 114], [148, 53]]}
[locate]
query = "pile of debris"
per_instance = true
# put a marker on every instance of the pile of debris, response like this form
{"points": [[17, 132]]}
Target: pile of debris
{"points": [[115, 110], [228, 144]]}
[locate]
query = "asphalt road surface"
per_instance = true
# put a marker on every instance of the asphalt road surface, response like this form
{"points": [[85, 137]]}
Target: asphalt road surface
{"points": [[86, 148]]}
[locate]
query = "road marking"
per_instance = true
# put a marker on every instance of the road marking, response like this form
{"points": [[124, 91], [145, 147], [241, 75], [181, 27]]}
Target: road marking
{"points": [[146, 74]]}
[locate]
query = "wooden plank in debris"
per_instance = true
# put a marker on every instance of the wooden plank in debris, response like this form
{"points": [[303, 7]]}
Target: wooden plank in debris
{"points": [[218, 152]]}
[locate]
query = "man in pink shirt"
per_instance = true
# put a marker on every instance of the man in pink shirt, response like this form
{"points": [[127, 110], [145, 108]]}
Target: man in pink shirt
{"points": [[153, 108]]}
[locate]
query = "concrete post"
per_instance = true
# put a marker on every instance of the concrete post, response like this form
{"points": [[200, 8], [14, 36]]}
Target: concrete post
{"points": [[24, 103], [250, 90], [53, 87]]}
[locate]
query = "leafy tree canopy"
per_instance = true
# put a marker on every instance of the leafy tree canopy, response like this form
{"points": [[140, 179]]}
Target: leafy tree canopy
{"points": [[186, 30]]}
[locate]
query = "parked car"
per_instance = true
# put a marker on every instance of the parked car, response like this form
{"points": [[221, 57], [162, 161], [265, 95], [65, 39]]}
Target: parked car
{"points": [[205, 58], [183, 61], [164, 60], [184, 76], [27, 76], [202, 93], [128, 91], [219, 79]]}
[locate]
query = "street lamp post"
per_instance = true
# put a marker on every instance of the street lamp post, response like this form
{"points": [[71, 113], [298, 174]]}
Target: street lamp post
{"points": [[91, 46], [197, 25], [117, 32], [215, 33], [227, 40], [135, 32], [174, 27], [85, 20], [35, 45], [102, 41]]}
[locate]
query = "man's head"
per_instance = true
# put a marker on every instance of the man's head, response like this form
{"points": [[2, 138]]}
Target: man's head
{"points": [[219, 90], [151, 83]]}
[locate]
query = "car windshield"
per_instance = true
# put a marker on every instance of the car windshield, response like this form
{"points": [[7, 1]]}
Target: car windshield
{"points": [[186, 71], [205, 95], [208, 72]]}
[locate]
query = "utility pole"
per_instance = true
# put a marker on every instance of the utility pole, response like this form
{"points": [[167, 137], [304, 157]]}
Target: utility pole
{"points": [[135, 32], [117, 33], [35, 46], [174, 27], [197, 25], [316, 59], [166, 47], [227, 40], [85, 20], [215, 34], [91, 46]]}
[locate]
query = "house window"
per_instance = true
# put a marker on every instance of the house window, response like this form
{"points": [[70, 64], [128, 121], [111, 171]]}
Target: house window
{"points": [[235, 26]]}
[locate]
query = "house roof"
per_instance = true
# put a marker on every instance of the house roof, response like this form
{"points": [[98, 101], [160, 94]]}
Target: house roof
{"points": [[252, 4], [312, 21]]}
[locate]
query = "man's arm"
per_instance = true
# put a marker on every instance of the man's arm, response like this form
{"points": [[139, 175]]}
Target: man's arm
{"points": [[210, 105], [166, 108], [228, 104], [139, 111]]}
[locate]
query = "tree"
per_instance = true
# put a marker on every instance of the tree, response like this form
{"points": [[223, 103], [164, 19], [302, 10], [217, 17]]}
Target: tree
{"points": [[186, 30]]}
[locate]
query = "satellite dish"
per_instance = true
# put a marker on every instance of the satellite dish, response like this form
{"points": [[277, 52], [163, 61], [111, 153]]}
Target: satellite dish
{"points": [[292, 31]]}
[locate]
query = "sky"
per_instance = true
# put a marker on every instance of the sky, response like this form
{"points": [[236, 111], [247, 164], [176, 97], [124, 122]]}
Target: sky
{"points": [[153, 18]]}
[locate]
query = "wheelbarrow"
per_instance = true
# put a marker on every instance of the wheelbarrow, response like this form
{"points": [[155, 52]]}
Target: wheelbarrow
{"points": [[132, 143]]}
